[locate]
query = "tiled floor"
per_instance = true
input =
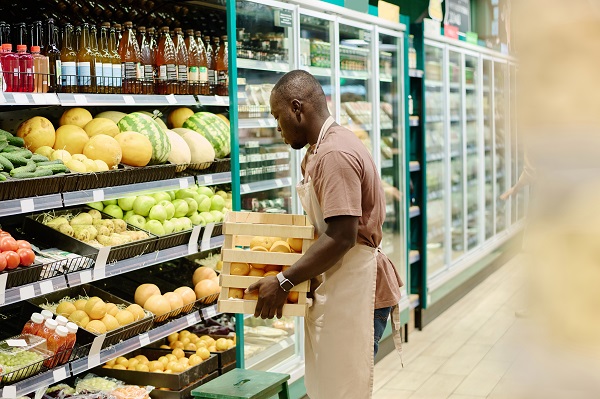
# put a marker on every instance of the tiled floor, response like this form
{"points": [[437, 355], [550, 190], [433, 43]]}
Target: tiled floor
{"points": [[463, 354]]}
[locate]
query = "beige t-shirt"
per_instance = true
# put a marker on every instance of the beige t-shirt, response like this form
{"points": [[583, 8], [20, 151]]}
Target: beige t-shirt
{"points": [[346, 183]]}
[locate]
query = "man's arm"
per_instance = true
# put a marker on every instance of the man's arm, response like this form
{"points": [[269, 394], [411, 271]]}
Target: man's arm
{"points": [[326, 251]]}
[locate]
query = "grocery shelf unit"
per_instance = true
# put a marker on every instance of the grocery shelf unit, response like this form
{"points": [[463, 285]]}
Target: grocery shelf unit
{"points": [[468, 157]]}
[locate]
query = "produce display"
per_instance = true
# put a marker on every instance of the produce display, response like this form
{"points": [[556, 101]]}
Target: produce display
{"points": [[94, 387], [171, 363], [13, 358], [188, 341], [92, 229], [169, 212], [14, 253]]}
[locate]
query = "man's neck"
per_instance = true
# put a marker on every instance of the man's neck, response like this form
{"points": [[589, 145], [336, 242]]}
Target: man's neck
{"points": [[315, 128]]}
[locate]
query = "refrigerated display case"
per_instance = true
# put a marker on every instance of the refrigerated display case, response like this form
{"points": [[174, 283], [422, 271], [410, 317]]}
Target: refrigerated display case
{"points": [[488, 140], [501, 143]]}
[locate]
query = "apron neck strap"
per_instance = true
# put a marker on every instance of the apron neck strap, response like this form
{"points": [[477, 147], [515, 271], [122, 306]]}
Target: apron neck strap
{"points": [[328, 122]]}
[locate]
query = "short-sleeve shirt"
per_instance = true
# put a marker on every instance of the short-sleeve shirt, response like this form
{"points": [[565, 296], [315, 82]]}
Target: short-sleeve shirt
{"points": [[347, 183]]}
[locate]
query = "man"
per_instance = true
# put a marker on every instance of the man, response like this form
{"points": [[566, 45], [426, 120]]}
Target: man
{"points": [[344, 199]]}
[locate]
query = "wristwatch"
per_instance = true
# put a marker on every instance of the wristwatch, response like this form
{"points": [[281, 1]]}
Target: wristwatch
{"points": [[284, 283]]}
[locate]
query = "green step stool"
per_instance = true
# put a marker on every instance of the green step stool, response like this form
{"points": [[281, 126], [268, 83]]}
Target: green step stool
{"points": [[245, 384]]}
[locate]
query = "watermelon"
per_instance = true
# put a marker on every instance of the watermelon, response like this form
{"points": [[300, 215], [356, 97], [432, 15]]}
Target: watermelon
{"points": [[138, 122], [214, 129]]}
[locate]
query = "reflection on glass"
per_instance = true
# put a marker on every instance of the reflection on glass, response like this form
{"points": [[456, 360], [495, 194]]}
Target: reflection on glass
{"points": [[472, 145], [455, 68], [435, 146], [267, 343], [500, 101], [514, 155], [488, 121]]}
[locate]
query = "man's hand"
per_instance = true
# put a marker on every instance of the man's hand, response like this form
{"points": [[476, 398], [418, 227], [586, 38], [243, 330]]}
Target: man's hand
{"points": [[271, 298], [509, 193]]}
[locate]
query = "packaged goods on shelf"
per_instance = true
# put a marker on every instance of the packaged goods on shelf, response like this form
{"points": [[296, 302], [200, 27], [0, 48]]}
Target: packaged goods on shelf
{"points": [[22, 356], [354, 58]]}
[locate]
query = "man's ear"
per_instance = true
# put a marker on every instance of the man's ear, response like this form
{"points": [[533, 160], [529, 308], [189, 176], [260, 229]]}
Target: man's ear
{"points": [[297, 107]]}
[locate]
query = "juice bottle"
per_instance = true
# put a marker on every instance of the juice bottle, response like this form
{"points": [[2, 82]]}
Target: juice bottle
{"points": [[40, 71], [35, 36], [153, 46], [61, 320], [21, 33], [68, 63], [53, 54], [47, 314], [71, 338], [182, 62], [166, 63], [48, 329], [117, 79], [210, 57], [77, 38], [130, 60], [86, 68], [34, 325], [119, 32], [107, 66], [146, 59], [56, 343], [10, 68], [203, 65], [25, 69], [222, 68], [193, 62], [97, 80]]}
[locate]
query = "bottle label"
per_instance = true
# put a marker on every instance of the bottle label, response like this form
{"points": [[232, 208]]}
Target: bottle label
{"points": [[69, 73], [2, 82], [193, 74], [182, 71], [212, 77], [148, 72], [223, 78], [167, 72], [203, 74], [139, 70], [58, 72], [129, 70], [116, 75], [84, 74], [162, 72], [99, 74], [107, 71]]}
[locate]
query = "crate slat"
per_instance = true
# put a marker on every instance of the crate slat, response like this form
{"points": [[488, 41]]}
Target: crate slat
{"points": [[248, 307], [267, 218], [265, 258], [246, 281], [268, 230]]}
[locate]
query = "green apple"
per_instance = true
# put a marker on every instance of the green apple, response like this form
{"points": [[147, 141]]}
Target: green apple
{"points": [[127, 215], [158, 212], [96, 205], [163, 196], [204, 203], [208, 217], [114, 211], [109, 202], [186, 223], [193, 187], [196, 219], [181, 208], [217, 215], [177, 225], [169, 207], [192, 206], [217, 203], [229, 195], [171, 194], [168, 226], [126, 204], [155, 227], [206, 191], [184, 193], [229, 203], [143, 204], [221, 193], [137, 221]]}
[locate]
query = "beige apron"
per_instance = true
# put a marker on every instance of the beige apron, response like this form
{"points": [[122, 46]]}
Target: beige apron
{"points": [[339, 333]]}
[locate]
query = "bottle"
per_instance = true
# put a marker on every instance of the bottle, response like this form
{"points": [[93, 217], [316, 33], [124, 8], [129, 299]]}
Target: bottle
{"points": [[68, 63], [119, 32], [97, 80], [48, 315], [61, 320], [412, 53], [71, 339], [166, 60], [36, 36], [25, 69], [53, 54], [86, 67], [48, 329], [222, 68], [130, 60], [153, 45], [146, 59], [203, 65], [410, 105], [77, 38], [117, 79], [21, 34], [56, 343], [182, 62], [210, 57], [193, 62], [40, 71], [34, 325], [10, 68], [105, 77]]}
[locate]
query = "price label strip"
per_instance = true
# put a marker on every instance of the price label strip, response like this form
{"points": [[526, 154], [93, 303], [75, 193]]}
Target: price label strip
{"points": [[98, 195], [205, 246], [184, 183], [3, 278], [9, 392], [208, 179], [85, 276], [193, 243], [129, 100], [20, 98], [144, 340], [59, 374], [27, 292], [46, 287], [100, 265], [39, 98], [94, 356], [27, 205], [209, 312], [192, 319]]}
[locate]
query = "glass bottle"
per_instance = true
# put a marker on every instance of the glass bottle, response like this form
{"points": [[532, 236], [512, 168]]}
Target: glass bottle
{"points": [[68, 61], [117, 78], [105, 76], [203, 66], [97, 80], [77, 38], [21, 34], [210, 58], [412, 53], [153, 45], [34, 325], [119, 32], [86, 70], [130, 60], [166, 62], [193, 62], [25, 69], [53, 54], [183, 61], [10, 68], [56, 343], [146, 59], [222, 68], [36, 36], [40, 70]]}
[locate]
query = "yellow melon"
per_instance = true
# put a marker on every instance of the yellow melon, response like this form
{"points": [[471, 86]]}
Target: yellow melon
{"points": [[110, 322], [271, 274], [256, 272], [136, 148], [104, 148], [112, 309], [280, 246], [188, 296], [80, 318], [71, 138], [251, 296], [293, 297], [145, 291], [96, 326], [203, 273], [272, 268], [259, 241], [101, 126], [239, 269], [75, 116], [206, 288], [125, 317], [137, 311], [178, 116], [65, 309], [37, 132], [236, 293], [295, 244], [175, 301], [114, 116], [158, 305], [95, 308]]}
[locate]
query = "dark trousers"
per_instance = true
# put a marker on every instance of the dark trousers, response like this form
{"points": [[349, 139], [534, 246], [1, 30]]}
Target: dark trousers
{"points": [[380, 319]]}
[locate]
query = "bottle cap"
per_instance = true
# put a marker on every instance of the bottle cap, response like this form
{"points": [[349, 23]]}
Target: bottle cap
{"points": [[47, 314], [72, 327], [35, 49], [7, 46], [37, 318], [21, 47], [128, 24], [62, 331], [61, 320], [51, 324]]}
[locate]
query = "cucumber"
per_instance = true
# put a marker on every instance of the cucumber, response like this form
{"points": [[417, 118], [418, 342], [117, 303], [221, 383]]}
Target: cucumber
{"points": [[16, 160], [29, 175], [30, 167], [23, 153], [3, 144], [6, 164], [37, 158], [11, 148], [55, 168], [45, 163], [13, 140], [2, 178]]}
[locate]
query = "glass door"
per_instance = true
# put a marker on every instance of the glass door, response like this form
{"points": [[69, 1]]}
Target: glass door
{"points": [[391, 123], [488, 141], [435, 146], [501, 141]]}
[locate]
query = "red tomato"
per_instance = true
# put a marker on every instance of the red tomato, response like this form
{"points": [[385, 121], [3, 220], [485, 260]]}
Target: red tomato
{"points": [[8, 244], [12, 260], [26, 255], [23, 244], [2, 261], [5, 234]]}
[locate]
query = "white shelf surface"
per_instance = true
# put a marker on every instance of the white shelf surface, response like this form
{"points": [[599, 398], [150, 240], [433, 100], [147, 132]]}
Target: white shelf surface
{"points": [[70, 99], [26, 205], [243, 63], [215, 101], [358, 75], [255, 187], [214, 179], [317, 71], [257, 123]]}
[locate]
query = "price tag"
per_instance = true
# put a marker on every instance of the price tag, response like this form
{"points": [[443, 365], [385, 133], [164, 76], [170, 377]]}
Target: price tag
{"points": [[16, 342], [171, 99], [209, 312], [98, 195], [100, 265], [9, 392], [2, 99], [20, 98], [184, 183], [144, 340], [80, 99], [46, 287], [192, 319], [94, 357], [219, 100], [208, 179], [129, 100], [3, 278], [193, 243], [27, 292], [27, 205], [269, 65], [85, 276], [245, 188], [59, 374], [51, 98], [205, 246], [262, 123], [279, 183], [39, 98]]}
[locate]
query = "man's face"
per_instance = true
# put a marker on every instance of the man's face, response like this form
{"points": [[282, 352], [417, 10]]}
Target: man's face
{"points": [[289, 122]]}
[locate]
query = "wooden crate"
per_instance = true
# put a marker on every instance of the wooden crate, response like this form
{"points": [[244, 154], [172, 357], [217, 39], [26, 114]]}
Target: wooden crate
{"points": [[239, 228]]}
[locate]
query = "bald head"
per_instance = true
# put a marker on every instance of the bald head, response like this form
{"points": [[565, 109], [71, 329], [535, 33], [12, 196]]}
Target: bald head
{"points": [[301, 85]]}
